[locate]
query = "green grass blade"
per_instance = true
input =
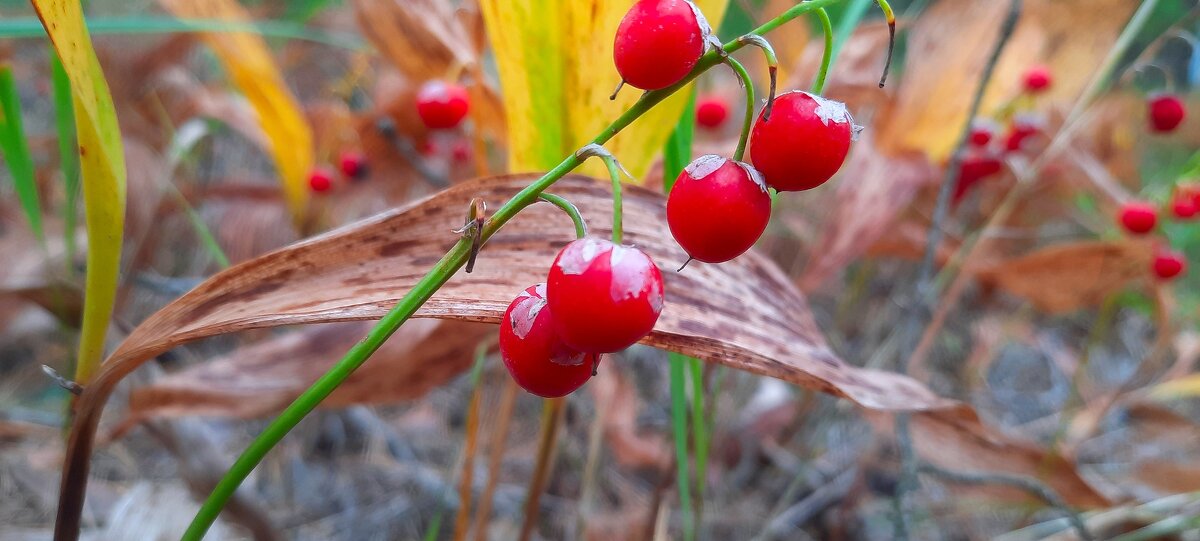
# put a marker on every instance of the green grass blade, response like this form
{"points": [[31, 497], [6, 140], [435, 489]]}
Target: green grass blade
{"points": [[851, 15], [699, 425], [16, 152], [64, 125], [679, 427], [678, 150], [182, 143]]}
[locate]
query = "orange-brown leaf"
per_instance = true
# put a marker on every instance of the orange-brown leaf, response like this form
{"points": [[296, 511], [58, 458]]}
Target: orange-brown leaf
{"points": [[1066, 277]]}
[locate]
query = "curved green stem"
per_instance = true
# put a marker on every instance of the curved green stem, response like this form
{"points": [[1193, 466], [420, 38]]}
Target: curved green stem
{"points": [[890, 17], [747, 122], [826, 55], [617, 228], [772, 67], [431, 282], [569, 208]]}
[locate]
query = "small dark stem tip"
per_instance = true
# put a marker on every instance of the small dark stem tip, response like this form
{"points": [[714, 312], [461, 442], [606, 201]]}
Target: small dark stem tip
{"points": [[620, 85], [887, 64], [685, 263], [774, 75]]}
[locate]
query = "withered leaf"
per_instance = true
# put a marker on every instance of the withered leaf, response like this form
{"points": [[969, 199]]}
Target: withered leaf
{"points": [[745, 313], [1066, 277]]}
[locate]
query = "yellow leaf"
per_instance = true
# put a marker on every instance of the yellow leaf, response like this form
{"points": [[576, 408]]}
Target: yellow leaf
{"points": [[1184, 387], [251, 68], [556, 68], [102, 162]]}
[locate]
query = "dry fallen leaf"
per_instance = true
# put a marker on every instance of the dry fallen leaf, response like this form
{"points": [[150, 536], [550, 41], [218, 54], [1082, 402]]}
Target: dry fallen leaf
{"points": [[961, 445], [1066, 277], [263, 378], [745, 314], [873, 190], [947, 50]]}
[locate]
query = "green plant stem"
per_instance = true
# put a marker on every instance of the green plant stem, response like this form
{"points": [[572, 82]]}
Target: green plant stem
{"points": [[618, 230], [699, 429], [827, 54], [432, 281], [748, 121], [568, 207], [679, 422]]}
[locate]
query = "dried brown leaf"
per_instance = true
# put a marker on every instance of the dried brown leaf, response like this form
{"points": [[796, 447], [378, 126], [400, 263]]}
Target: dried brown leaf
{"points": [[949, 46], [874, 189], [965, 445], [745, 314], [1066, 277], [263, 378]]}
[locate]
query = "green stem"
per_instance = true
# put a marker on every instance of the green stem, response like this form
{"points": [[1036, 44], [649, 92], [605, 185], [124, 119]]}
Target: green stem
{"points": [[571, 210], [826, 55], [890, 17], [679, 422], [699, 427], [748, 121], [772, 67], [617, 229], [431, 282]]}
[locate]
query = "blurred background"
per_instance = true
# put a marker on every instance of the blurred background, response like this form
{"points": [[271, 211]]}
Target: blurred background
{"points": [[1047, 317]]}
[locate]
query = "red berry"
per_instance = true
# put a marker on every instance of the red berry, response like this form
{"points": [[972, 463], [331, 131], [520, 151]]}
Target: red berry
{"points": [[461, 151], [711, 112], [1168, 263], [1038, 79], [804, 142], [659, 42], [1019, 133], [427, 148], [1166, 113], [982, 132], [1138, 217], [532, 352], [1183, 205], [442, 105], [971, 171], [604, 297], [320, 180], [353, 164], [718, 208]]}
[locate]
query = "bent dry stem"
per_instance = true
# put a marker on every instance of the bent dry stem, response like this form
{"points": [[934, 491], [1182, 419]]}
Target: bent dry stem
{"points": [[434, 280]]}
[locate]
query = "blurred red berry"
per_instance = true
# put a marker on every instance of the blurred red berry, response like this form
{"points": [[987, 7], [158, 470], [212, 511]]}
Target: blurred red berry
{"points": [[442, 105], [711, 112], [659, 42], [972, 171], [982, 132], [320, 180], [1020, 132], [1168, 264], [1138, 217], [1038, 79], [353, 164], [461, 151], [1166, 113], [1183, 205]]}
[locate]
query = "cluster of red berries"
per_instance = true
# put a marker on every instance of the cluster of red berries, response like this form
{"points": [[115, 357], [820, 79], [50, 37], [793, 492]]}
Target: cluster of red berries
{"points": [[601, 297], [1141, 218], [352, 165]]}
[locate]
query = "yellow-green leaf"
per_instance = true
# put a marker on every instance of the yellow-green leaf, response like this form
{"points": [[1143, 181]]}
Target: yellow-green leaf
{"points": [[556, 68], [252, 70], [102, 161], [1184, 387]]}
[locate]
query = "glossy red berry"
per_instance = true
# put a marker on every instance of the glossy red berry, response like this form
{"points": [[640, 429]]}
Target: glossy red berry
{"points": [[1168, 263], [353, 164], [534, 355], [1138, 217], [711, 112], [604, 297], [972, 171], [1183, 205], [718, 208], [1166, 113], [1038, 79], [804, 142], [442, 105], [982, 133], [659, 42], [320, 180]]}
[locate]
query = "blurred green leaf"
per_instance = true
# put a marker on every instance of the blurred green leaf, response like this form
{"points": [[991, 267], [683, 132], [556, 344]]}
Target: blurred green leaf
{"points": [[16, 151]]}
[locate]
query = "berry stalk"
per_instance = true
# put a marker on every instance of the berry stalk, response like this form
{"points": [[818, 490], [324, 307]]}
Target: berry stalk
{"points": [[748, 122], [827, 54], [571, 210], [442, 271]]}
